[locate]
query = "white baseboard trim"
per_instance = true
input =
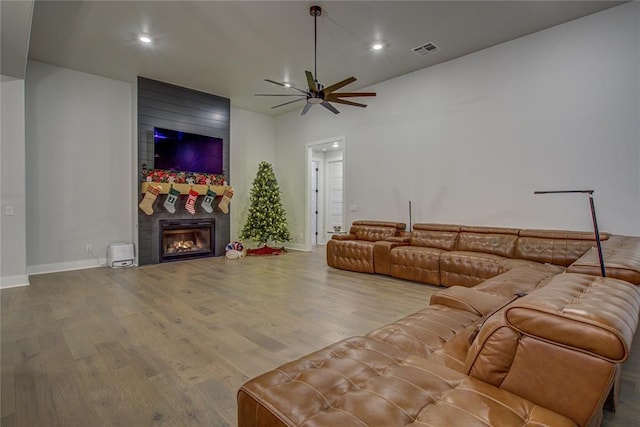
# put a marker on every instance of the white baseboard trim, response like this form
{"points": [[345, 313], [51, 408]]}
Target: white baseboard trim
{"points": [[297, 247], [66, 266], [13, 281]]}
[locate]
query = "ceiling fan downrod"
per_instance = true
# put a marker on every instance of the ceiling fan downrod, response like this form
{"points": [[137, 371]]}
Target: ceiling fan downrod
{"points": [[315, 11]]}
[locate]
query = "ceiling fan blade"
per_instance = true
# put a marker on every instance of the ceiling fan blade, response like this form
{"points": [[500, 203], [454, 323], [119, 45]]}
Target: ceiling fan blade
{"points": [[306, 108], [289, 102], [286, 86], [338, 85], [344, 101], [277, 94], [330, 107], [311, 83], [352, 94]]}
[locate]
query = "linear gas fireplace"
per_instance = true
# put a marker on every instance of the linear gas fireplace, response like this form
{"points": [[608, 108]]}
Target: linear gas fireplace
{"points": [[187, 238]]}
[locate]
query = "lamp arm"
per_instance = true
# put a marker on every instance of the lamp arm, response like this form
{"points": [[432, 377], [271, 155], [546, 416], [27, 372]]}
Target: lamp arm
{"points": [[603, 269]]}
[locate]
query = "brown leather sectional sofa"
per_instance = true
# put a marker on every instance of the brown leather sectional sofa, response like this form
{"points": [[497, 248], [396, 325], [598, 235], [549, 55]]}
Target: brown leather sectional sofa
{"points": [[449, 255], [476, 355]]}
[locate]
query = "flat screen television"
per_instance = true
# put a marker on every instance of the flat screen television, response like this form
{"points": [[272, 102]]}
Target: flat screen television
{"points": [[186, 152]]}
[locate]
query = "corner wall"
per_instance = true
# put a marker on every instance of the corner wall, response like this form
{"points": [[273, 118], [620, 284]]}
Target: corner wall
{"points": [[469, 140], [78, 167], [13, 252], [254, 140]]}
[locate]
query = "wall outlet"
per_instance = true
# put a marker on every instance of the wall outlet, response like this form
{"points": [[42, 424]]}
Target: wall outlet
{"points": [[8, 211], [89, 248]]}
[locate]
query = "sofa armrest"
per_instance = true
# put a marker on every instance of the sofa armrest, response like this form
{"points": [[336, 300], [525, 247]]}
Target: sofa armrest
{"points": [[347, 236], [468, 299], [382, 254], [561, 346], [595, 315], [402, 240]]}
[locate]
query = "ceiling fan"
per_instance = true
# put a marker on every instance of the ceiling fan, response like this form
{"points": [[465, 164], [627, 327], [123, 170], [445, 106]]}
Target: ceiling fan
{"points": [[315, 92]]}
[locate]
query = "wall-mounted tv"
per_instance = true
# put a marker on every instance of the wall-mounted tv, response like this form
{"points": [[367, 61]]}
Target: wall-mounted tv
{"points": [[186, 152]]}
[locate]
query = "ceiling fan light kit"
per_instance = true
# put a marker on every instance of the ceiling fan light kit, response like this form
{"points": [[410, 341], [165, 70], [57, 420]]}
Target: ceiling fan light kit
{"points": [[316, 93]]}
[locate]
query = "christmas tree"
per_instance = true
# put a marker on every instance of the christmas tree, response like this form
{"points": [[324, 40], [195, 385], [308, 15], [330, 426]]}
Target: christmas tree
{"points": [[267, 219]]}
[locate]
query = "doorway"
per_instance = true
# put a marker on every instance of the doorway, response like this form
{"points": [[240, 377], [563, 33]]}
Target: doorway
{"points": [[325, 189]]}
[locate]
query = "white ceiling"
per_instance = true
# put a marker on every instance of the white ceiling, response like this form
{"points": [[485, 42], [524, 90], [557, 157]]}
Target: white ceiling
{"points": [[228, 47]]}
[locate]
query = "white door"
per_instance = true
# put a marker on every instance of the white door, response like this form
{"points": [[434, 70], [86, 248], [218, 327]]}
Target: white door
{"points": [[314, 202], [335, 196]]}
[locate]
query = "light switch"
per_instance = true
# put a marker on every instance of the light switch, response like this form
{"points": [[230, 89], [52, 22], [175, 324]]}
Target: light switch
{"points": [[8, 210], [353, 208]]}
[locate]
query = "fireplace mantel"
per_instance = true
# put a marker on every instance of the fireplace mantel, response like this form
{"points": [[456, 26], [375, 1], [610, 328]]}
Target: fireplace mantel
{"points": [[184, 188]]}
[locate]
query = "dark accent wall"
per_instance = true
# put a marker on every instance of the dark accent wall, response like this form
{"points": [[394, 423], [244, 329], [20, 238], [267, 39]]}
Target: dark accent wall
{"points": [[173, 107]]}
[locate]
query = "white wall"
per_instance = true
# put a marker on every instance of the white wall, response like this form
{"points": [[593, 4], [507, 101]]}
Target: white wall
{"points": [[13, 252], [78, 162], [468, 141], [252, 141]]}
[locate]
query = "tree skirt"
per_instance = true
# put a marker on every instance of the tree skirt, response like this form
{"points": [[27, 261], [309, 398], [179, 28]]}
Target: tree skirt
{"points": [[266, 250]]}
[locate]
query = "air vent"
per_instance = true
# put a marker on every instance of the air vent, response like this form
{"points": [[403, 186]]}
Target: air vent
{"points": [[425, 49]]}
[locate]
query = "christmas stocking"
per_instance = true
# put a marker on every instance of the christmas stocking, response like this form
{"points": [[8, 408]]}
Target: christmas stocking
{"points": [[170, 202], [208, 199], [190, 206], [149, 197], [226, 197]]}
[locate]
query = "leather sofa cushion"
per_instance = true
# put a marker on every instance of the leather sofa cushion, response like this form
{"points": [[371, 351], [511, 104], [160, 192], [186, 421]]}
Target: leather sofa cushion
{"points": [[445, 240], [372, 234], [517, 280], [495, 241], [440, 236], [468, 268], [473, 403], [357, 381], [595, 315], [554, 251], [353, 255], [469, 299], [416, 263], [424, 331], [621, 256]]}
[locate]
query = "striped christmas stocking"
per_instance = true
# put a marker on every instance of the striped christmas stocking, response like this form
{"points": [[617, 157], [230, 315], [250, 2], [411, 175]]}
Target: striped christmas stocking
{"points": [[190, 206]]}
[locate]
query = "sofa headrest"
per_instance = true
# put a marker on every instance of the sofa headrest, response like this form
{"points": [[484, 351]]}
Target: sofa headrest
{"points": [[396, 225], [372, 233], [562, 235], [437, 227], [595, 315], [490, 230]]}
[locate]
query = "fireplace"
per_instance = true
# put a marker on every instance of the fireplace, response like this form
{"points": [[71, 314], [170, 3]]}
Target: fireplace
{"points": [[186, 238]]}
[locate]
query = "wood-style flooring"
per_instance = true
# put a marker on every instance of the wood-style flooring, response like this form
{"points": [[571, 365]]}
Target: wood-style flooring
{"points": [[170, 344]]}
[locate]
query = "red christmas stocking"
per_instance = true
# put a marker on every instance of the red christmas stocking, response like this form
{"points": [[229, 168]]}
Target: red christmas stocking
{"points": [[190, 206]]}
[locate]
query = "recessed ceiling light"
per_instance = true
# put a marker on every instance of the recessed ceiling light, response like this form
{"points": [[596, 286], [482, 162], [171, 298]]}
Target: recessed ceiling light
{"points": [[335, 145], [377, 46], [145, 38], [287, 85]]}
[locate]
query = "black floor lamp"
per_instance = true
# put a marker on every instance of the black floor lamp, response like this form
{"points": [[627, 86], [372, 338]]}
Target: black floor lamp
{"points": [[593, 217]]}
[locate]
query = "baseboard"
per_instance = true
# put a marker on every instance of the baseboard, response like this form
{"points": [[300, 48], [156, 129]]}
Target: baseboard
{"points": [[296, 247], [66, 266], [13, 281]]}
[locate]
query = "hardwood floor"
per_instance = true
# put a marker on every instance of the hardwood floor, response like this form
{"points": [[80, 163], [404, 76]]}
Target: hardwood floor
{"points": [[170, 344]]}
